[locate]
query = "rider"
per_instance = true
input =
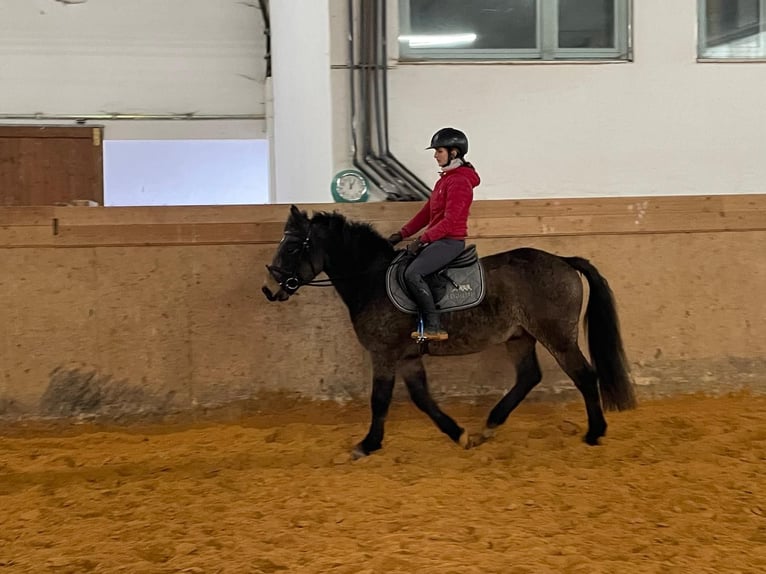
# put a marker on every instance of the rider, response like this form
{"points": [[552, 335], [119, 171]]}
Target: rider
{"points": [[445, 218]]}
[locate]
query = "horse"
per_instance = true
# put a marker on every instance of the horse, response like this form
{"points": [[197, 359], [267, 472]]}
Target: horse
{"points": [[531, 296]]}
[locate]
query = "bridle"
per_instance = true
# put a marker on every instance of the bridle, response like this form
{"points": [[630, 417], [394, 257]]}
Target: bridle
{"points": [[289, 281]]}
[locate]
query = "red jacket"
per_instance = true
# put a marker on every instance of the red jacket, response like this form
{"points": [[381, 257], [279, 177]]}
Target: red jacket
{"points": [[445, 214]]}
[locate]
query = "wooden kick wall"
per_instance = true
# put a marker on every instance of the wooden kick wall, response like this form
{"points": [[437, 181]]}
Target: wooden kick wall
{"points": [[149, 310]]}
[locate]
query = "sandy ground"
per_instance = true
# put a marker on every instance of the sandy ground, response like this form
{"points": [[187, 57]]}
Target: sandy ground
{"points": [[678, 486]]}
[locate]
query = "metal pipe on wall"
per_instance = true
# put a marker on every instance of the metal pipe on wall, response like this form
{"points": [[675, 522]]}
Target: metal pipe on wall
{"points": [[368, 106], [264, 5], [363, 156], [403, 177], [367, 95], [396, 186], [106, 117], [361, 166], [406, 172]]}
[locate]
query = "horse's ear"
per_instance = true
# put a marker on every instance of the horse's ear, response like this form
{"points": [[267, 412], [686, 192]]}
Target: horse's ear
{"points": [[297, 215]]}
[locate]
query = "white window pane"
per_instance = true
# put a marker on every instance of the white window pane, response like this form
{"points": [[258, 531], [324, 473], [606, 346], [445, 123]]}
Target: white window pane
{"points": [[496, 24], [515, 29], [586, 24], [185, 172], [733, 29]]}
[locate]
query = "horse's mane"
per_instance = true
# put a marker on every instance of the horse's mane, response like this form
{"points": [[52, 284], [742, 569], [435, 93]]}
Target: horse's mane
{"points": [[359, 239]]}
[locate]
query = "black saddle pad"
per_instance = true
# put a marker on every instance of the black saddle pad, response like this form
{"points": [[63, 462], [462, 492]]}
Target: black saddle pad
{"points": [[459, 285]]}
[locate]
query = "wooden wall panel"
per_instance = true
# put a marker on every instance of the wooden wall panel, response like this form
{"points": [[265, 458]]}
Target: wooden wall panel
{"points": [[48, 165], [161, 308], [114, 226]]}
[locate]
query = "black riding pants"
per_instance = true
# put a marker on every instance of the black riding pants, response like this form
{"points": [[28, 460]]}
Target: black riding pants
{"points": [[432, 258]]}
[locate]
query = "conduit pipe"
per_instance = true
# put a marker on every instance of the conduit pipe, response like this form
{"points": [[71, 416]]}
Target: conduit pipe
{"points": [[386, 149], [369, 108], [381, 99], [105, 117]]}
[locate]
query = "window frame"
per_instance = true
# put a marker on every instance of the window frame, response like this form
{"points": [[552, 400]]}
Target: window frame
{"points": [[546, 50], [702, 36]]}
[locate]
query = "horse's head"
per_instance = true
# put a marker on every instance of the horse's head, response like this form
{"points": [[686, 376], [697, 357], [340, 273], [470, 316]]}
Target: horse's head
{"points": [[297, 260]]}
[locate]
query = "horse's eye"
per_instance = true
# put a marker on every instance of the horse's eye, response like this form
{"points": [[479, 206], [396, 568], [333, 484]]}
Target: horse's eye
{"points": [[292, 250]]}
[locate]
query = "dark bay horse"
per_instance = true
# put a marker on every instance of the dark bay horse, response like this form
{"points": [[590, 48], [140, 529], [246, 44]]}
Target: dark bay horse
{"points": [[531, 296]]}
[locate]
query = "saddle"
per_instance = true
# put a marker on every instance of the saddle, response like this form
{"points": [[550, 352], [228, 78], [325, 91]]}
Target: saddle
{"points": [[456, 286]]}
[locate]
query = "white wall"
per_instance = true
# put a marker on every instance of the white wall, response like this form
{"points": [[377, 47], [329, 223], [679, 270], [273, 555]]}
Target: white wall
{"points": [[302, 109], [147, 57], [191, 172], [661, 125]]}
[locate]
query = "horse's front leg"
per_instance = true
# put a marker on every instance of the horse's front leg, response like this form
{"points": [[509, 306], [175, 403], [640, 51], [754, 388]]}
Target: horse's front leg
{"points": [[414, 375], [383, 376]]}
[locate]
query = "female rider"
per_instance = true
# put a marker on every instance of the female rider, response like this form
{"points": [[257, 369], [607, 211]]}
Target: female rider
{"points": [[445, 218]]}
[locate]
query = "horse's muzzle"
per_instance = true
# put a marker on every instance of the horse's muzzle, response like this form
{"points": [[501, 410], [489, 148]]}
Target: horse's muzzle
{"points": [[273, 291]]}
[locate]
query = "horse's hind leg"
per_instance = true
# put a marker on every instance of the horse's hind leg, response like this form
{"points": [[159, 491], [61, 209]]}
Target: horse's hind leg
{"points": [[528, 375], [585, 379], [414, 375]]}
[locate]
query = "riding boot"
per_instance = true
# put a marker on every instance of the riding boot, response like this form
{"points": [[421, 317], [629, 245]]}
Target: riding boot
{"points": [[432, 328], [421, 293]]}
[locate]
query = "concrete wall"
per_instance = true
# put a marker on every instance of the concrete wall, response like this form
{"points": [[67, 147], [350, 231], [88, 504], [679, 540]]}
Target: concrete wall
{"points": [[134, 310]]}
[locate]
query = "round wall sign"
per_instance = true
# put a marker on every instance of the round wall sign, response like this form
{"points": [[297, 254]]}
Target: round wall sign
{"points": [[349, 186]]}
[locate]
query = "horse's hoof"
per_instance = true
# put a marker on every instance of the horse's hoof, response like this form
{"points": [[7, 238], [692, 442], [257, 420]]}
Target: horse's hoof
{"points": [[475, 440], [478, 439], [358, 452], [468, 441], [592, 440]]}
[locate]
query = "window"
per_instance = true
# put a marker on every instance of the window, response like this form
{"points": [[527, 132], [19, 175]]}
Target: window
{"points": [[732, 29], [514, 29], [185, 172]]}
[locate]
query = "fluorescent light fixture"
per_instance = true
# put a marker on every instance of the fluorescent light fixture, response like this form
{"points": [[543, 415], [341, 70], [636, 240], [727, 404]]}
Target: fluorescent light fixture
{"points": [[438, 40]]}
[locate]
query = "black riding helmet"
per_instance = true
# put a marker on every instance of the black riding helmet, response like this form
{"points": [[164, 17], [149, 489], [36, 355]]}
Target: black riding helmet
{"points": [[449, 138]]}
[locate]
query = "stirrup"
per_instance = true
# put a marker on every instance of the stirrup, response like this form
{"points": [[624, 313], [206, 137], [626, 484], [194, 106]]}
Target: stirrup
{"points": [[421, 334], [439, 335]]}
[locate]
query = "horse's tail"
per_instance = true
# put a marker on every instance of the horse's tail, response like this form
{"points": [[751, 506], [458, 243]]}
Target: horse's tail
{"points": [[604, 340]]}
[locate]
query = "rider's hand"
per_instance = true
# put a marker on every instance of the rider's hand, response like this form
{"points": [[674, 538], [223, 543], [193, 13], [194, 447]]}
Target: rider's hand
{"points": [[416, 246], [395, 238]]}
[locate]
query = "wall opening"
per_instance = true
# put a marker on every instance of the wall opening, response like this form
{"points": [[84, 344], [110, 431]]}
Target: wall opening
{"points": [[186, 172]]}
